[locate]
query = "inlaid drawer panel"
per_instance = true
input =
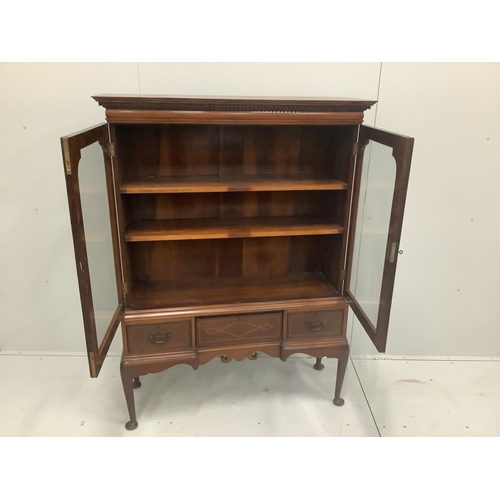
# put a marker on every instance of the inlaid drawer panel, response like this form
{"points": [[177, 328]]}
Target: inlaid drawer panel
{"points": [[327, 323], [159, 337], [238, 329]]}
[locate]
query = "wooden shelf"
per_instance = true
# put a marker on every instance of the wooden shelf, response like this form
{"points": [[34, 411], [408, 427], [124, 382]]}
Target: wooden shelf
{"points": [[209, 229], [215, 184], [230, 290]]}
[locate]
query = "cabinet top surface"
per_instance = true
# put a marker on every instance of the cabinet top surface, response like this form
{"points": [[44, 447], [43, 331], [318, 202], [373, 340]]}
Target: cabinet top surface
{"points": [[232, 103]]}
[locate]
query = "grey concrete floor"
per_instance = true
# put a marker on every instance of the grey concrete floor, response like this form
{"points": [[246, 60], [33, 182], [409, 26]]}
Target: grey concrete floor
{"points": [[52, 395]]}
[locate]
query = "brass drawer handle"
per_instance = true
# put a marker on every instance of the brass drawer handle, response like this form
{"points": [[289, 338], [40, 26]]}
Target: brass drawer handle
{"points": [[160, 338], [315, 326]]}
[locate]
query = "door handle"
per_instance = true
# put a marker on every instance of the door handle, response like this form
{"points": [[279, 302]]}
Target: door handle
{"points": [[159, 338], [315, 326]]}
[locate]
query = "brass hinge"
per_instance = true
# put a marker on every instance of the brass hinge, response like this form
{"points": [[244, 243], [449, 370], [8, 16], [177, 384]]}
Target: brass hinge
{"points": [[355, 149], [93, 370], [67, 162], [125, 288], [110, 148], [342, 275]]}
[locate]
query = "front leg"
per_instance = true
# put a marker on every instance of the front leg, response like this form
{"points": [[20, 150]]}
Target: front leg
{"points": [[128, 389], [341, 368]]}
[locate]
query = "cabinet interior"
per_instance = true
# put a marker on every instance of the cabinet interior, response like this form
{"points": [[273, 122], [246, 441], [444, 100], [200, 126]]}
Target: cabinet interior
{"points": [[232, 213]]}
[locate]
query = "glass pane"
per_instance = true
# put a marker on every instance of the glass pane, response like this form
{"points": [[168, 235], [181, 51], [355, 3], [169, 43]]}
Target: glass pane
{"points": [[378, 176], [97, 226]]}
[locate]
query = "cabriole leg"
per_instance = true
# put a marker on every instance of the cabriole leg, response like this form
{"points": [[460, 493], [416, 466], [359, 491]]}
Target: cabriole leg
{"points": [[319, 365], [341, 368], [128, 384]]}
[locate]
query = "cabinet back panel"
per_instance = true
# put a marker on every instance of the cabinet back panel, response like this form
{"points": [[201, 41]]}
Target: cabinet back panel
{"points": [[228, 150], [284, 150], [269, 256], [282, 255], [326, 204], [273, 256], [165, 150], [173, 260], [276, 204], [171, 206], [240, 257]]}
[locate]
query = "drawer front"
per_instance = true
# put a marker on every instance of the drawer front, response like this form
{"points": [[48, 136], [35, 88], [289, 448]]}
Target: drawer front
{"points": [[238, 329], [327, 323], [159, 337]]}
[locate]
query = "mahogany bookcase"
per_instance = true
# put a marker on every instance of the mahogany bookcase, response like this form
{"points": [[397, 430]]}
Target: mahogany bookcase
{"points": [[224, 227]]}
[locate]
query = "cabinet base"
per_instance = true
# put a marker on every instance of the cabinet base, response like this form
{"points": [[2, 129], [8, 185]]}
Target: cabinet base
{"points": [[133, 366]]}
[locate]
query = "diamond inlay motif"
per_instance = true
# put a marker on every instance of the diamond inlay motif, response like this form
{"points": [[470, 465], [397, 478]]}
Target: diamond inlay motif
{"points": [[239, 329]]}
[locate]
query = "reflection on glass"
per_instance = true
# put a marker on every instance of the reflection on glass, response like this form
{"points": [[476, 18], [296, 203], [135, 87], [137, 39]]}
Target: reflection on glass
{"points": [[97, 226], [378, 176]]}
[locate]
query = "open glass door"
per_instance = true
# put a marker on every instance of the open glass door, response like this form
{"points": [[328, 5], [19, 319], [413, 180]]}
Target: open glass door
{"points": [[91, 198], [381, 181]]}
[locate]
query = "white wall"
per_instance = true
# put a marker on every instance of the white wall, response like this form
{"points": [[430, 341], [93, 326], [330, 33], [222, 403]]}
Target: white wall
{"points": [[446, 298], [452, 110]]}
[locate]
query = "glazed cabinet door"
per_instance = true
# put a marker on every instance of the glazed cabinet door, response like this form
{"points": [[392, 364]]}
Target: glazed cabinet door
{"points": [[380, 185], [90, 186]]}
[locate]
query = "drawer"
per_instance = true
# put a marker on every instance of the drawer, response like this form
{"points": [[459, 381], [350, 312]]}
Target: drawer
{"points": [[238, 329], [309, 324], [159, 337]]}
